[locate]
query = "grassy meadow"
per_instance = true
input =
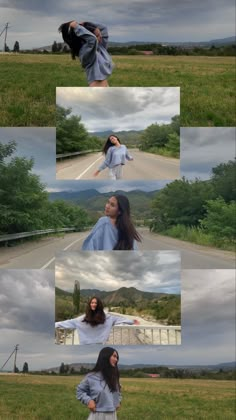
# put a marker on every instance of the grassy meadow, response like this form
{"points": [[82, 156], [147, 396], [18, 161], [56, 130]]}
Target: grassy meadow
{"points": [[53, 397], [29, 83]]}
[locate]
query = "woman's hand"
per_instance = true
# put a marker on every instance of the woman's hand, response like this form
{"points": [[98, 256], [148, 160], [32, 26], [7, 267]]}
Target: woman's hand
{"points": [[73, 24], [118, 407], [98, 34], [96, 173], [91, 405], [136, 322]]}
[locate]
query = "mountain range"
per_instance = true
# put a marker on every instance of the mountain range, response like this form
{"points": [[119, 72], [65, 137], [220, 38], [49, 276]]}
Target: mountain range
{"points": [[216, 42], [223, 365]]}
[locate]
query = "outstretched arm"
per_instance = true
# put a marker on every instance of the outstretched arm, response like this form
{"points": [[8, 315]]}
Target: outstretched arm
{"points": [[106, 162]]}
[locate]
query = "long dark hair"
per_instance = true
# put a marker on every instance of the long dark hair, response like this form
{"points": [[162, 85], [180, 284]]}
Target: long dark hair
{"points": [[108, 144], [109, 373], [126, 230], [69, 37], [96, 317]]}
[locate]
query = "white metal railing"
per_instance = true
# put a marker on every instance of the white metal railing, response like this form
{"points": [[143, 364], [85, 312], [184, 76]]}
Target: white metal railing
{"points": [[129, 335], [83, 152], [11, 236]]}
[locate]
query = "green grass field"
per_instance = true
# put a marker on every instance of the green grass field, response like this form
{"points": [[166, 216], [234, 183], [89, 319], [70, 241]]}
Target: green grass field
{"points": [[51, 398], [29, 84]]}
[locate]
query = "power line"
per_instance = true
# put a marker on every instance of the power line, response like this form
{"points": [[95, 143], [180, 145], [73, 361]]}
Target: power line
{"points": [[14, 351]]}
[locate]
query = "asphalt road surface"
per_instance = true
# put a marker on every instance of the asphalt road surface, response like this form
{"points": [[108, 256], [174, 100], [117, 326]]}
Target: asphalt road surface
{"points": [[144, 166], [41, 254]]}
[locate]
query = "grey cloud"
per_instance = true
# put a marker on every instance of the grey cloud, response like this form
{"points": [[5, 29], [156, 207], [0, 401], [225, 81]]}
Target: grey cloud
{"points": [[204, 148], [26, 298], [152, 271]]}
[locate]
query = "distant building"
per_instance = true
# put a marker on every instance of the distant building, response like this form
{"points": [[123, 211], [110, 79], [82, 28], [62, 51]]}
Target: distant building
{"points": [[154, 375], [147, 52]]}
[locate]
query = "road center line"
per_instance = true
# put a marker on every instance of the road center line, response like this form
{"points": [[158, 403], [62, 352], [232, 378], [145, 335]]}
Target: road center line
{"points": [[90, 166], [65, 249]]}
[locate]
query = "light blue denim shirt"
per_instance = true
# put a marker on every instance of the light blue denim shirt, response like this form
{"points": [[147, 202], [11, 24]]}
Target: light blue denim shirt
{"points": [[93, 387], [93, 55], [115, 156], [103, 237], [93, 335]]}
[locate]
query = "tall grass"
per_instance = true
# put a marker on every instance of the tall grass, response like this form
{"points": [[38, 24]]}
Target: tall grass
{"points": [[51, 398], [28, 88]]}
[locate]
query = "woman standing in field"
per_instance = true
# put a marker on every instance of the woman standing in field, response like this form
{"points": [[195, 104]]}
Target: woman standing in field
{"points": [[114, 231], [100, 389], [95, 325], [115, 156], [88, 41]]}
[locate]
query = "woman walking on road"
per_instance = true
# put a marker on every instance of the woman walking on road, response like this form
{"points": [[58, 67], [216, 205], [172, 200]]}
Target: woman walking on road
{"points": [[114, 231], [100, 390], [88, 41], [115, 156], [95, 325]]}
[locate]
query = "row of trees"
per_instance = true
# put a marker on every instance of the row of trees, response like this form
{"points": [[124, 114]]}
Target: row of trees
{"points": [[24, 201], [159, 49], [163, 139], [163, 371], [72, 136], [207, 206]]}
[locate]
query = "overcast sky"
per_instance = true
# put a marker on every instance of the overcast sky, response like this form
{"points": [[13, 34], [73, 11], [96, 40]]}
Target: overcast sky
{"points": [[34, 23], [27, 319], [201, 149], [151, 271], [116, 109]]}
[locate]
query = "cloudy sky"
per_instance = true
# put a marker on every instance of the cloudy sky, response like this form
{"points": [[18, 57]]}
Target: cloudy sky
{"points": [[36, 143], [201, 149], [116, 109], [34, 23], [27, 319], [148, 271]]}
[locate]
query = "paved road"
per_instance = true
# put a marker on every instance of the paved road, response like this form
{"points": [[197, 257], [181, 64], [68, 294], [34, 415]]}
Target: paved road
{"points": [[144, 166], [41, 254]]}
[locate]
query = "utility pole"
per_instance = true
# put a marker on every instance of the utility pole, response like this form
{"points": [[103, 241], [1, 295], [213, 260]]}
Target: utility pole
{"points": [[5, 39], [16, 349]]}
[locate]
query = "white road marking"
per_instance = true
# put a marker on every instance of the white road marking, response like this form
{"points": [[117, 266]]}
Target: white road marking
{"points": [[90, 166], [65, 249]]}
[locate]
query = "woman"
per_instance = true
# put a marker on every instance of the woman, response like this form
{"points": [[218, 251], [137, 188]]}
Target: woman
{"points": [[88, 41], [95, 325], [115, 154], [114, 231], [100, 389]]}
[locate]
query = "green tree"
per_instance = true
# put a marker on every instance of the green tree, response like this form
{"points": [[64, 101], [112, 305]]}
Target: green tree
{"points": [[223, 180], [173, 144], [76, 297], [25, 368], [16, 47], [180, 202], [220, 220], [71, 133], [54, 47], [62, 368]]}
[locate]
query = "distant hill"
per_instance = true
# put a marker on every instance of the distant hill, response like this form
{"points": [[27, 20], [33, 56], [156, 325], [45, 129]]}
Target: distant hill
{"points": [[224, 365], [218, 41], [123, 295], [94, 201]]}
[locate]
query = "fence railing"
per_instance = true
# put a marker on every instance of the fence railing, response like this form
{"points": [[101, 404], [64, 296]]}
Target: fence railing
{"points": [[129, 335], [83, 152], [11, 236]]}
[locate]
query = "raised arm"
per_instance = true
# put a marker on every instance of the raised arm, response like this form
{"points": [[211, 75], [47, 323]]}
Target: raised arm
{"points": [[103, 31]]}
